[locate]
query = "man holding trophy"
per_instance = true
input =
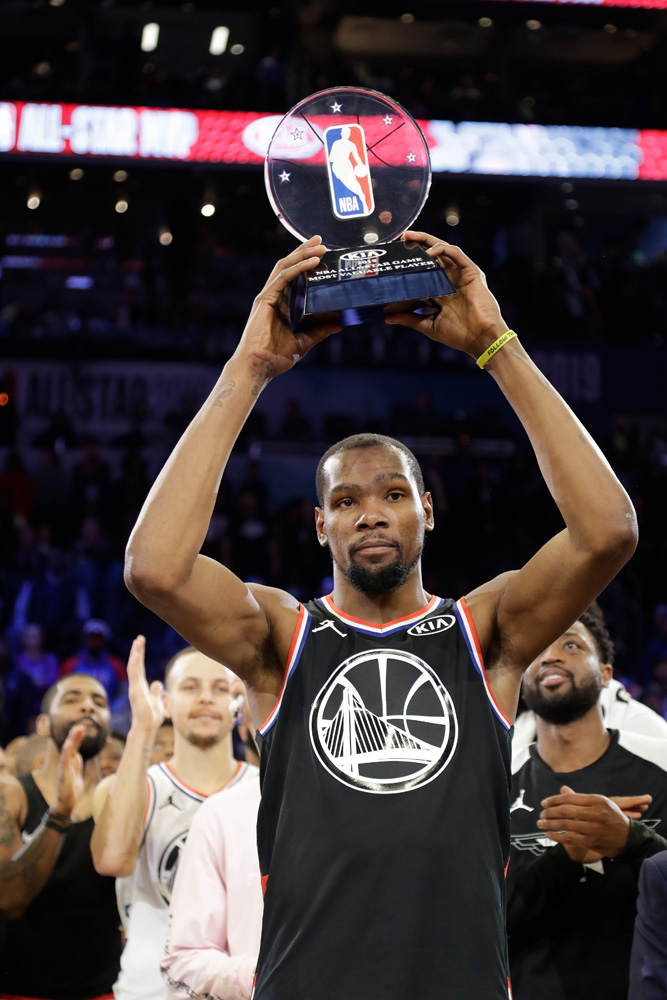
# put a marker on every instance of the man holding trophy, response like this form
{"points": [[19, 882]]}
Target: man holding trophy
{"points": [[384, 713]]}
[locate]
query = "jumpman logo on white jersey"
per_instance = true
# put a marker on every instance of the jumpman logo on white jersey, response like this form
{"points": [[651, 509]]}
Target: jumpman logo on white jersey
{"points": [[328, 623], [520, 804]]}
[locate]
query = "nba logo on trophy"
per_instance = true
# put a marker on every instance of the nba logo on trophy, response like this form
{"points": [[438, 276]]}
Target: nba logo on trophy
{"points": [[349, 173]]}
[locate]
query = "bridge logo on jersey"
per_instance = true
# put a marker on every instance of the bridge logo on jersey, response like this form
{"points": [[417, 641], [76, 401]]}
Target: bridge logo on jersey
{"points": [[168, 866], [432, 625], [384, 722]]}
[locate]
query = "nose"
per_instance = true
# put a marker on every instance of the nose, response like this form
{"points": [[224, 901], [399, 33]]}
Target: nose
{"points": [[550, 655], [88, 707], [371, 520]]}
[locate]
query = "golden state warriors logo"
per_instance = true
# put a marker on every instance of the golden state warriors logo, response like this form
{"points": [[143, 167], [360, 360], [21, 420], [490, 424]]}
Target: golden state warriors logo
{"points": [[384, 722]]}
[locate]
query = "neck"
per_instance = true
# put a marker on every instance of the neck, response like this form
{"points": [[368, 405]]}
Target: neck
{"points": [[574, 745], [380, 608], [205, 770]]}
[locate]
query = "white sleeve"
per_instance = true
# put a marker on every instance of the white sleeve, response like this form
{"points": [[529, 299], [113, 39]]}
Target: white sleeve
{"points": [[197, 962]]}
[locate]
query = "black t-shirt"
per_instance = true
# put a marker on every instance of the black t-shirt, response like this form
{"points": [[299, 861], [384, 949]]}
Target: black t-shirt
{"points": [[383, 827], [67, 944], [570, 926]]}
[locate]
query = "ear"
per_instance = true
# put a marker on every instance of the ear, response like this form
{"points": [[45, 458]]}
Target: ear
{"points": [[427, 505], [319, 527], [43, 725], [607, 672], [165, 704]]}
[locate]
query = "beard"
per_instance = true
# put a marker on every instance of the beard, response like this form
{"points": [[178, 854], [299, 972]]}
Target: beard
{"points": [[381, 579], [90, 745], [567, 707], [204, 742]]}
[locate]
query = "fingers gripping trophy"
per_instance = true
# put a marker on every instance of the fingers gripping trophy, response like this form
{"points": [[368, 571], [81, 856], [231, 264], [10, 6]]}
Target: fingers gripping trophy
{"points": [[353, 166]]}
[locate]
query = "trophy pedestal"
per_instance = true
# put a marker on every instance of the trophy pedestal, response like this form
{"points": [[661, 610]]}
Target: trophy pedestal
{"points": [[358, 280]]}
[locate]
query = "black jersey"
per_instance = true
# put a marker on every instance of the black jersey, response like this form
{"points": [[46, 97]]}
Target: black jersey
{"points": [[383, 829], [570, 926], [67, 944]]}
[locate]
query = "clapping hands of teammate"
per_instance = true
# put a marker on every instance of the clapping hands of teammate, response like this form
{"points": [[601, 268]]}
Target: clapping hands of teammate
{"points": [[468, 321], [146, 702], [69, 781], [268, 341], [590, 827]]}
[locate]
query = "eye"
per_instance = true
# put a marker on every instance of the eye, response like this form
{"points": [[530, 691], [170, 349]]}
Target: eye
{"points": [[346, 502], [395, 495]]}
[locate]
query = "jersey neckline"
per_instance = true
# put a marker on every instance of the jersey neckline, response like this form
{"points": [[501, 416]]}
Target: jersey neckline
{"points": [[328, 604]]}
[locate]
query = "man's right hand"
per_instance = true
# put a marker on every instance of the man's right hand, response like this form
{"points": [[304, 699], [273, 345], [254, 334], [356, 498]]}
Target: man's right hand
{"points": [[69, 782], [268, 341], [146, 702]]}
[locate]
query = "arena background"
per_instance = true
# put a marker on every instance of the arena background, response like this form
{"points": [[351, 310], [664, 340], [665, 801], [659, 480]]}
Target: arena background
{"points": [[135, 232]]}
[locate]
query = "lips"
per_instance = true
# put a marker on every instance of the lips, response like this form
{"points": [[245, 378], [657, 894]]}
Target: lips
{"points": [[207, 715], [552, 676], [374, 545]]}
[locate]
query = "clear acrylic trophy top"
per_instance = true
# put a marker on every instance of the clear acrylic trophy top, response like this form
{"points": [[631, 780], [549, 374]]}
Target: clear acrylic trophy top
{"points": [[349, 164]]}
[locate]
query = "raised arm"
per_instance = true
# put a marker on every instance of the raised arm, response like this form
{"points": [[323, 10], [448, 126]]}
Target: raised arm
{"points": [[201, 599], [119, 803], [26, 867], [520, 613]]}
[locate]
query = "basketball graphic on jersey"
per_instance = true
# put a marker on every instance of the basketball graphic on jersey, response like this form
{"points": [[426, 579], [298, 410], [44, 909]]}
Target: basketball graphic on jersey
{"points": [[168, 865], [349, 173], [384, 722]]}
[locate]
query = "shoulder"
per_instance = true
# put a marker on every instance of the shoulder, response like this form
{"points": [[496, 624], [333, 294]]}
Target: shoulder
{"points": [[13, 799], [282, 613], [653, 874], [483, 605], [651, 749]]}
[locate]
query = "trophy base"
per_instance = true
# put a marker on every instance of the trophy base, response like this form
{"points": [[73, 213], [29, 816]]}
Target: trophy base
{"points": [[357, 280]]}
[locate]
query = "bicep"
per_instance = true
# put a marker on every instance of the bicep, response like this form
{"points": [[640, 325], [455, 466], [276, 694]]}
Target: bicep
{"points": [[544, 597], [12, 803], [216, 612]]}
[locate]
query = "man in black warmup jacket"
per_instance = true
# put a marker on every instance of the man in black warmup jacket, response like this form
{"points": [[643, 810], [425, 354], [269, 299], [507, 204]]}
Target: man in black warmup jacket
{"points": [[383, 830]]}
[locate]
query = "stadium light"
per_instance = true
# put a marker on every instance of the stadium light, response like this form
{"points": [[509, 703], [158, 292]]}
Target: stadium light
{"points": [[219, 40], [121, 206], [150, 36], [208, 209]]}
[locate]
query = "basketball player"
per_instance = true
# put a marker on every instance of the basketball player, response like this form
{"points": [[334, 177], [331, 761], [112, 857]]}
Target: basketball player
{"points": [[383, 829], [143, 813], [47, 881]]}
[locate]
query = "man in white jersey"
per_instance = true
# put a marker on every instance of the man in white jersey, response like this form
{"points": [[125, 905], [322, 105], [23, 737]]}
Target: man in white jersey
{"points": [[143, 813]]}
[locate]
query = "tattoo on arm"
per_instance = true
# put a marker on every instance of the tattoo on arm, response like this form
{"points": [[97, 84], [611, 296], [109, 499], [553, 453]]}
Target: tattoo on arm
{"points": [[7, 824], [226, 389], [260, 379]]}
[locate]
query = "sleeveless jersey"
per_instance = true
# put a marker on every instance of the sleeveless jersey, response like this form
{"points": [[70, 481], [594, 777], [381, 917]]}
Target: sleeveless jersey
{"points": [[143, 897], [67, 944], [383, 829]]}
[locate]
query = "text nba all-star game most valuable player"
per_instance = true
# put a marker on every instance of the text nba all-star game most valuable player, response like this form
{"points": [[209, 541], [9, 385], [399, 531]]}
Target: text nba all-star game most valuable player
{"points": [[384, 712]]}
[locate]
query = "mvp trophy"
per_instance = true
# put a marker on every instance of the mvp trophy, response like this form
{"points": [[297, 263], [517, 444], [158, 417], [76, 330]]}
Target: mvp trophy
{"points": [[353, 166]]}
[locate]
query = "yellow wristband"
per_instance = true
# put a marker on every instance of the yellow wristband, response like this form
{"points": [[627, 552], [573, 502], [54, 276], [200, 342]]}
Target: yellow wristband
{"points": [[495, 346]]}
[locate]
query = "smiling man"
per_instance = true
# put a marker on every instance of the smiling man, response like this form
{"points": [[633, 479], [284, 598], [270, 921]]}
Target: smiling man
{"points": [[143, 813], [588, 805], [383, 828]]}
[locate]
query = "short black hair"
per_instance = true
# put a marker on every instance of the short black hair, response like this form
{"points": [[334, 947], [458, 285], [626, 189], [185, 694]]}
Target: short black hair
{"points": [[593, 620], [174, 660], [367, 441], [51, 692]]}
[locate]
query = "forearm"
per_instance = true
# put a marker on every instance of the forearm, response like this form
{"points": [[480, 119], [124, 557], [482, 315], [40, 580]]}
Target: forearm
{"points": [[173, 522], [119, 826], [24, 875], [209, 972], [594, 505]]}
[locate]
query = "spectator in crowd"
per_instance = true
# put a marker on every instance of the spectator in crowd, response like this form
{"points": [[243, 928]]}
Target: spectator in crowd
{"points": [[601, 796], [95, 659], [648, 960], [619, 709], [143, 813], [163, 744], [112, 751], [32, 752], [54, 597], [215, 913], [17, 697], [47, 881], [39, 664]]}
